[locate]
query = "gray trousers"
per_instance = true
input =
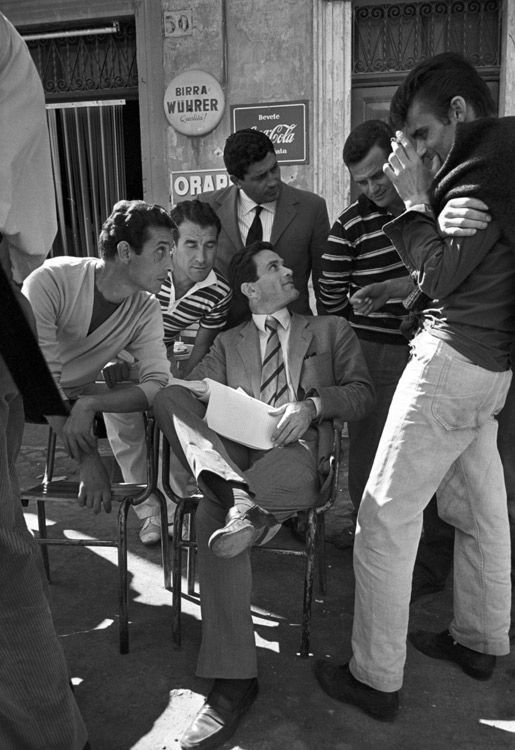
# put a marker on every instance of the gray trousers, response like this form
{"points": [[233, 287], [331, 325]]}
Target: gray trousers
{"points": [[37, 707], [282, 481]]}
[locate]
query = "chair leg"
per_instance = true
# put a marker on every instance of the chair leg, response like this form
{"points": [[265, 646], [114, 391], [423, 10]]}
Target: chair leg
{"points": [[165, 541], [322, 561], [43, 535], [123, 591], [308, 582], [191, 556], [177, 573]]}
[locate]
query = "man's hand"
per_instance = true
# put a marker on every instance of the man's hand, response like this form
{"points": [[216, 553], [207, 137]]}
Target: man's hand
{"points": [[373, 296], [77, 433], [462, 217], [295, 420], [94, 488], [408, 173], [116, 372], [370, 298]]}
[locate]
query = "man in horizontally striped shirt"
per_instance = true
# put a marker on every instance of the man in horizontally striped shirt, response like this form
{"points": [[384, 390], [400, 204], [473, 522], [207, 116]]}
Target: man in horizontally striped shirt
{"points": [[363, 279], [195, 298]]}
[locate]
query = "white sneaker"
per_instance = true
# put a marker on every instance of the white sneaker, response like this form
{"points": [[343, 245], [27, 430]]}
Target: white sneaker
{"points": [[150, 532]]}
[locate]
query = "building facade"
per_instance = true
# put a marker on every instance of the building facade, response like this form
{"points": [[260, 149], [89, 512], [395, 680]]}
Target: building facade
{"points": [[179, 77]]}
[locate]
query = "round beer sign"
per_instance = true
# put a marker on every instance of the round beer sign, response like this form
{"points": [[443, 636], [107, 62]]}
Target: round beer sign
{"points": [[194, 102]]}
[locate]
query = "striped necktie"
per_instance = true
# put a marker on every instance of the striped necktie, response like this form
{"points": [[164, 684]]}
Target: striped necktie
{"points": [[256, 228], [274, 386]]}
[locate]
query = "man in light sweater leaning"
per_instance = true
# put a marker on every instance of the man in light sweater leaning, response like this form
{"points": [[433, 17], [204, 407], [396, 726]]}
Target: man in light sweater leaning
{"points": [[89, 309]]}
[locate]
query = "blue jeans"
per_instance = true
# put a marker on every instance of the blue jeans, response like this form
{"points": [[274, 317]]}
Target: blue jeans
{"points": [[440, 433]]}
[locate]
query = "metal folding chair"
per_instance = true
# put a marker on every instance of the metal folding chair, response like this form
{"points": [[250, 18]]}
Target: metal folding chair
{"points": [[55, 491], [314, 548]]}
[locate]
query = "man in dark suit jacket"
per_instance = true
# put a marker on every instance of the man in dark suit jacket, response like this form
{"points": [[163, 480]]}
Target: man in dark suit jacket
{"points": [[295, 221], [248, 493]]}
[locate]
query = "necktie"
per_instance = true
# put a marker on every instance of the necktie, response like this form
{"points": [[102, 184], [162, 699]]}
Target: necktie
{"points": [[256, 228], [274, 387]]}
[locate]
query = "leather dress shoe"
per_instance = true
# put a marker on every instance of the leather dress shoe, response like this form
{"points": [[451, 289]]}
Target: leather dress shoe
{"points": [[443, 646], [218, 718], [338, 682], [242, 530]]}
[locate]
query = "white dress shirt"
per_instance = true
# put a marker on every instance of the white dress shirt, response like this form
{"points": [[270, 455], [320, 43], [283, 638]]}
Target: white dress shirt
{"points": [[246, 212], [283, 332]]}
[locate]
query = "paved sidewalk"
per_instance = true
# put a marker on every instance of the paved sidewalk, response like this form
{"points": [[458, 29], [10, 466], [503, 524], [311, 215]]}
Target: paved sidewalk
{"points": [[145, 699]]}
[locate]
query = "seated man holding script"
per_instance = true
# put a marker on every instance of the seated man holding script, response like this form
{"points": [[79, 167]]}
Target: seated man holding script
{"points": [[312, 371]]}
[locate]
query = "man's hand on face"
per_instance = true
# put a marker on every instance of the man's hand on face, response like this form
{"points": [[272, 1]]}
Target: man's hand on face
{"points": [[408, 173], [296, 417], [94, 488], [462, 217]]}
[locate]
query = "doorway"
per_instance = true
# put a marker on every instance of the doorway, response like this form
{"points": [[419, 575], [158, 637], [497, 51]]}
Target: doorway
{"points": [[91, 88]]}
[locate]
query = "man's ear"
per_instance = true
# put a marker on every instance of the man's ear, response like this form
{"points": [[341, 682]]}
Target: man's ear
{"points": [[124, 251], [247, 288], [458, 109], [235, 180]]}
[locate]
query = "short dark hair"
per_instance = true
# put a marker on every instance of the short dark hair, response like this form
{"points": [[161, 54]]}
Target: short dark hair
{"points": [[243, 148], [129, 221], [242, 269], [195, 211], [435, 82], [364, 137]]}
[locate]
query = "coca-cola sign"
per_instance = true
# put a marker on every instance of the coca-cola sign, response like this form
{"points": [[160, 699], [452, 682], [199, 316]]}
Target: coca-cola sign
{"points": [[285, 123]]}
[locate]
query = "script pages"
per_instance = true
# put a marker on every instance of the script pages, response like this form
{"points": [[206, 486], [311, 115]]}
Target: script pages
{"points": [[235, 415]]}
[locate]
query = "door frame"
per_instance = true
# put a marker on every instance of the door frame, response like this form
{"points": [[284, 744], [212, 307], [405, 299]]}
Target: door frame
{"points": [[148, 18]]}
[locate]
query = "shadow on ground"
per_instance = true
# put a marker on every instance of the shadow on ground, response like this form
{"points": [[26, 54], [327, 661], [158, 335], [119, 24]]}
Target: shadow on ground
{"points": [[145, 699]]}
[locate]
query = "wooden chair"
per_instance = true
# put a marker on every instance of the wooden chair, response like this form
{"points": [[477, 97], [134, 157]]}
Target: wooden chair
{"points": [[314, 548], [55, 491]]}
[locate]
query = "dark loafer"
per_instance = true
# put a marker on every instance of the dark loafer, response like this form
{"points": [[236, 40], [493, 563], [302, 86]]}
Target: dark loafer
{"points": [[218, 719], [242, 530], [443, 646], [338, 682]]}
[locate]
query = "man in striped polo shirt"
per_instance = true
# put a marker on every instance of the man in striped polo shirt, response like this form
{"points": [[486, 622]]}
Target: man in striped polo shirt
{"points": [[363, 279], [194, 302]]}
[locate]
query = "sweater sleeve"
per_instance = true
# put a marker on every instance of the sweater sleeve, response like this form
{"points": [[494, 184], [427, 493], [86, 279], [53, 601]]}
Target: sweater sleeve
{"points": [[148, 349], [441, 263], [44, 295]]}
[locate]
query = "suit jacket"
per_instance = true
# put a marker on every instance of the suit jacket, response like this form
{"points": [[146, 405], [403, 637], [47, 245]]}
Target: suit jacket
{"points": [[324, 359], [299, 234]]}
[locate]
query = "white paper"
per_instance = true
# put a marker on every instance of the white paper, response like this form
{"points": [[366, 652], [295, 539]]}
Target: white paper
{"points": [[507, 725], [240, 417]]}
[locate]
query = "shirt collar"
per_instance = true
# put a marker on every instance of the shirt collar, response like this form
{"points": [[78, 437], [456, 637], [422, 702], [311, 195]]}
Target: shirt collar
{"points": [[208, 281], [248, 205], [282, 315]]}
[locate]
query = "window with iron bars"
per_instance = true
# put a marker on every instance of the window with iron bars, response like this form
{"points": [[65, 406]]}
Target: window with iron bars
{"points": [[390, 37]]}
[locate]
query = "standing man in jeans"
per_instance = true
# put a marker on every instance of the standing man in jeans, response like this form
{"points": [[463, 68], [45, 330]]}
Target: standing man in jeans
{"points": [[364, 280], [441, 429]]}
